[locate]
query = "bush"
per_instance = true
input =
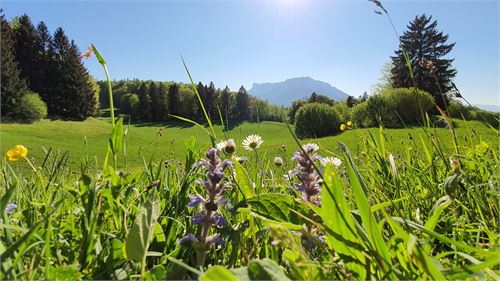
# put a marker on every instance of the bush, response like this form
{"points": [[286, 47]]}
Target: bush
{"points": [[409, 104], [31, 108], [362, 117], [381, 110], [491, 118], [345, 112], [316, 120], [458, 110]]}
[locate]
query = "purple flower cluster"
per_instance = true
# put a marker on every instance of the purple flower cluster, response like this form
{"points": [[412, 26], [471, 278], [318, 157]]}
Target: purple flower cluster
{"points": [[209, 217], [309, 179]]}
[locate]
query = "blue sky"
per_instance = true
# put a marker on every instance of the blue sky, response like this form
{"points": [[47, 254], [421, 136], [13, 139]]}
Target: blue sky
{"points": [[238, 43]]}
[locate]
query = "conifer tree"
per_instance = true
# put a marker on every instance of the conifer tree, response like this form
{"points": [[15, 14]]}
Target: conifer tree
{"points": [[202, 92], [27, 51], [13, 87], [144, 113], [154, 97], [424, 43], [43, 79], [173, 99], [224, 101], [72, 96], [242, 103], [211, 101], [163, 101]]}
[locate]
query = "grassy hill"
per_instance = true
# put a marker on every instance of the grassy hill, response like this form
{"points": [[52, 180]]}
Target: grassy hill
{"points": [[142, 140]]}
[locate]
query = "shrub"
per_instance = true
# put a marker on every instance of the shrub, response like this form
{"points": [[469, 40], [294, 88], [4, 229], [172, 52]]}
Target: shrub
{"points": [[316, 120], [362, 117], [491, 118], [381, 109], [458, 110], [345, 113], [409, 104], [31, 108]]}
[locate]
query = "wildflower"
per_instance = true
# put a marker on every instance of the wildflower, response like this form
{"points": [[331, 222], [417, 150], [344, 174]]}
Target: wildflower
{"points": [[252, 142], [349, 123], [343, 127], [227, 146], [310, 147], [240, 159], [88, 53], [278, 161], [10, 208], [304, 171], [454, 164], [19, 152], [330, 161], [208, 215]]}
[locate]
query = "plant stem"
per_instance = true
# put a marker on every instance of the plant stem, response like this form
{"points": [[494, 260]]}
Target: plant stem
{"points": [[110, 93]]}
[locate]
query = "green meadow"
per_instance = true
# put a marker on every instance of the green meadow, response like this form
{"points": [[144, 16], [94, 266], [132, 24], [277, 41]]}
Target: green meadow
{"points": [[165, 141]]}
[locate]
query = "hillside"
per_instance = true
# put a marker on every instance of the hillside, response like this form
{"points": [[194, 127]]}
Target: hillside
{"points": [[284, 93]]}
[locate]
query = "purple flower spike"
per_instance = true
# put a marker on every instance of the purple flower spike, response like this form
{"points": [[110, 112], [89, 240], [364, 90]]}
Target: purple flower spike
{"points": [[198, 218], [10, 208], [219, 220], [223, 201], [189, 238], [215, 239], [195, 200]]}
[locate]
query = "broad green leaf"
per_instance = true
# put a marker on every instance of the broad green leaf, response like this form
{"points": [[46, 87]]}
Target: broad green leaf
{"points": [[63, 273], [217, 273], [243, 181], [139, 236], [337, 217], [265, 269], [116, 140], [98, 55]]}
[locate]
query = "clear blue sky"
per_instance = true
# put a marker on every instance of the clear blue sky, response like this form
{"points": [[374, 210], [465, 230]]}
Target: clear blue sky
{"points": [[238, 43]]}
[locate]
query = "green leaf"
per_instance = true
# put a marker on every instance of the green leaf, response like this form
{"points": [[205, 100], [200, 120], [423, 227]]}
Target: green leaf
{"points": [[337, 217], [243, 181], [265, 269], [116, 140], [217, 273], [139, 236], [276, 207]]}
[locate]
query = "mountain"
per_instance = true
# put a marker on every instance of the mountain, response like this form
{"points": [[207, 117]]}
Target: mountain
{"points": [[285, 92], [489, 107]]}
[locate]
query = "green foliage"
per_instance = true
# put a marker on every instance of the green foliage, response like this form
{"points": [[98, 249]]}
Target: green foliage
{"points": [[344, 111], [394, 107], [362, 117], [296, 105], [13, 86], [316, 120], [30, 108]]}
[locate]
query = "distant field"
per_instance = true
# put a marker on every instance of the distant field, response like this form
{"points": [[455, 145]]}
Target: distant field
{"points": [[92, 135]]}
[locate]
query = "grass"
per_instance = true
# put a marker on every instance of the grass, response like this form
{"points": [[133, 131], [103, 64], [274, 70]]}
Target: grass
{"points": [[142, 140]]}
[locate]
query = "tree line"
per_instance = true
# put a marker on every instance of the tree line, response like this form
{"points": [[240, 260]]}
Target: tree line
{"points": [[157, 101], [47, 69]]}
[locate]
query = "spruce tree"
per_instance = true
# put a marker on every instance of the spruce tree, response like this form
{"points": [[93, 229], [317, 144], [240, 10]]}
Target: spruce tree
{"points": [[202, 92], [28, 52], [144, 113], [43, 79], [211, 101], [163, 100], [242, 103], [424, 43], [154, 97], [13, 87], [224, 101], [173, 99], [71, 96]]}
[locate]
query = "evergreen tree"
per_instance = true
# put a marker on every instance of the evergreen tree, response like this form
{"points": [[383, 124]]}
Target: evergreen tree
{"points": [[28, 52], [242, 103], [225, 102], [154, 97], [43, 79], [13, 87], [173, 99], [202, 92], [144, 113], [423, 43], [211, 101], [163, 101], [72, 95]]}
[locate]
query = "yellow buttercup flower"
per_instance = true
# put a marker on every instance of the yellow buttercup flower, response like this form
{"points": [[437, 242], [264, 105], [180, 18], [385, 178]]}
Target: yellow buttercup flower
{"points": [[343, 127], [19, 152], [349, 123]]}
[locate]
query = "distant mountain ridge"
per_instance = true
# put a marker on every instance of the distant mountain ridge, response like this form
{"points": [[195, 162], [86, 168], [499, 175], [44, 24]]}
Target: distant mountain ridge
{"points": [[489, 107], [284, 93]]}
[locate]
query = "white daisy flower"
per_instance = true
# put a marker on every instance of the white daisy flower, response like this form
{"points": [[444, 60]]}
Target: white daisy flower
{"points": [[252, 142], [330, 160], [227, 146], [310, 147]]}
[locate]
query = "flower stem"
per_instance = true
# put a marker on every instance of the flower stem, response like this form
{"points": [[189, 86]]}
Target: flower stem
{"points": [[110, 93]]}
